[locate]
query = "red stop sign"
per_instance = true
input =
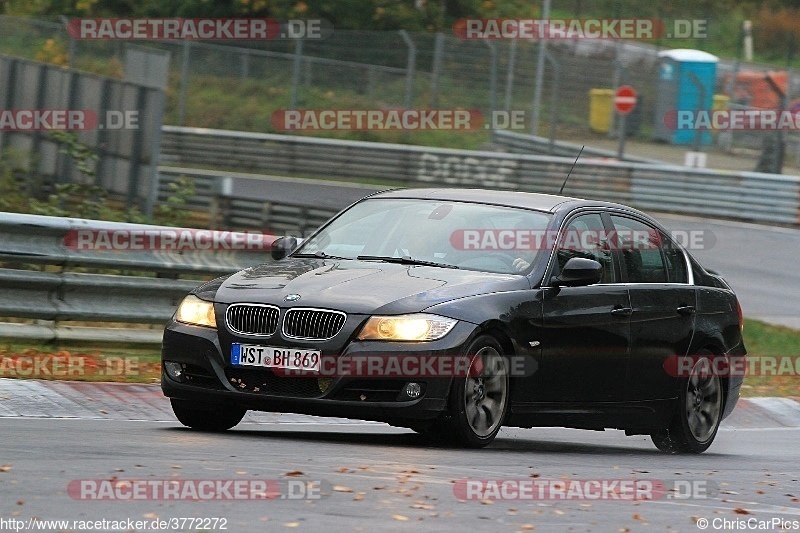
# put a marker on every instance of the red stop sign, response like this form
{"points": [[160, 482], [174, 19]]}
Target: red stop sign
{"points": [[625, 99]]}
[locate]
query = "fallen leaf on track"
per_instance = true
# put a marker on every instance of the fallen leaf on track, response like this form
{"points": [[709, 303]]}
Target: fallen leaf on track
{"points": [[400, 517], [340, 488], [425, 506]]}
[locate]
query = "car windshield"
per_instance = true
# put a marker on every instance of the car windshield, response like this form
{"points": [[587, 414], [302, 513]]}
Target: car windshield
{"points": [[442, 233]]}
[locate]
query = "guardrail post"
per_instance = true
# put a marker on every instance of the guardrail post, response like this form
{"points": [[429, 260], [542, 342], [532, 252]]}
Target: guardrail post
{"points": [[303, 220], [220, 201], [266, 214]]}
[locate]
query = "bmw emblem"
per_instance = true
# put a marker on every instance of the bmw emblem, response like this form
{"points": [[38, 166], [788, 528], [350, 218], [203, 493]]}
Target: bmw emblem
{"points": [[291, 297]]}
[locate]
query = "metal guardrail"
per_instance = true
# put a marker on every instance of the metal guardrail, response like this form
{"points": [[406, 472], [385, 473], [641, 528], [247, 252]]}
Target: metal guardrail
{"points": [[750, 196], [277, 205], [520, 143], [35, 254]]}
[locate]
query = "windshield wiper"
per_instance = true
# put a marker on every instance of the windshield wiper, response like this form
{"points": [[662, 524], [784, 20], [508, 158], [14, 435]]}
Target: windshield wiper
{"points": [[404, 260], [319, 254]]}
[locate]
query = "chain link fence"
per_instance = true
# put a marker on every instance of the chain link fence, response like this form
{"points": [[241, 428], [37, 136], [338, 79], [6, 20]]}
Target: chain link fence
{"points": [[238, 85]]}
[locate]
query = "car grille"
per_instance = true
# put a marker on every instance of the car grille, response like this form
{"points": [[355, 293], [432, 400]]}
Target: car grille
{"points": [[252, 319], [312, 324]]}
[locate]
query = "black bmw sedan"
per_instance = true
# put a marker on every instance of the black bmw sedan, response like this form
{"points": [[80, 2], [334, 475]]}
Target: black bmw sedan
{"points": [[456, 312]]}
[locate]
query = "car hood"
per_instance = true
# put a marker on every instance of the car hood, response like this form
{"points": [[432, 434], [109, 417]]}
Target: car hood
{"points": [[356, 286]]}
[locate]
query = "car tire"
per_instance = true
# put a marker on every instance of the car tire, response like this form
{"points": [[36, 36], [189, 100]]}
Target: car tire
{"points": [[206, 419], [699, 411], [478, 403]]}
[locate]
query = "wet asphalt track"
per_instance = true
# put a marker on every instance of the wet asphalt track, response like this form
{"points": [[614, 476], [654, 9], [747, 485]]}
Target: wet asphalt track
{"points": [[373, 476], [389, 479]]}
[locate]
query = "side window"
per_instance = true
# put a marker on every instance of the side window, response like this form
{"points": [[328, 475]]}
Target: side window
{"points": [[640, 246], [584, 238], [676, 261]]}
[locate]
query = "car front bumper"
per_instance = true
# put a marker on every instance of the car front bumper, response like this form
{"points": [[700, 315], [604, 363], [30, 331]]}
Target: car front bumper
{"points": [[209, 378]]}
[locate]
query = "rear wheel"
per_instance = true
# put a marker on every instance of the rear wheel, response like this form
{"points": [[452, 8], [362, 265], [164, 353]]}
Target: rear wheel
{"points": [[699, 412], [206, 418], [479, 401]]}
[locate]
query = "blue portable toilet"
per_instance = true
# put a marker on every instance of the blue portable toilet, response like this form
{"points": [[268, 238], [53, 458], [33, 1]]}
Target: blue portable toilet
{"points": [[686, 82]]}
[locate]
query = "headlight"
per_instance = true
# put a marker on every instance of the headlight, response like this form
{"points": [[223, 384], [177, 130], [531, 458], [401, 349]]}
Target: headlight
{"points": [[417, 327], [195, 311]]}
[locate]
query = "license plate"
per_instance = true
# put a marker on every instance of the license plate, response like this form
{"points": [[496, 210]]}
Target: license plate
{"points": [[274, 357]]}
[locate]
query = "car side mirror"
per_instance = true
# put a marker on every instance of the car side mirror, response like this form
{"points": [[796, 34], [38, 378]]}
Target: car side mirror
{"points": [[283, 246], [578, 272]]}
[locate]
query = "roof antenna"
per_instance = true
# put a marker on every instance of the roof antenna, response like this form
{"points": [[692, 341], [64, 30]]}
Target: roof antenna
{"points": [[571, 169]]}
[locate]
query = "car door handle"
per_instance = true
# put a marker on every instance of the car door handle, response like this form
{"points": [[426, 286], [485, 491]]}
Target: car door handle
{"points": [[686, 310], [622, 311]]}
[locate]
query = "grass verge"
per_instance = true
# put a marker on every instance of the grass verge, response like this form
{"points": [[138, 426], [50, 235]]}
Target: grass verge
{"points": [[124, 363], [766, 340]]}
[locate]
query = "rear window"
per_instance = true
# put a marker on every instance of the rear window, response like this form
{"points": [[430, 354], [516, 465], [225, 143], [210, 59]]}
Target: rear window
{"points": [[640, 245]]}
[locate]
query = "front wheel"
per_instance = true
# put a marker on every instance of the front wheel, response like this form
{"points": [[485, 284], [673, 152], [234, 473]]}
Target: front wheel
{"points": [[699, 412], [479, 401], [206, 418]]}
